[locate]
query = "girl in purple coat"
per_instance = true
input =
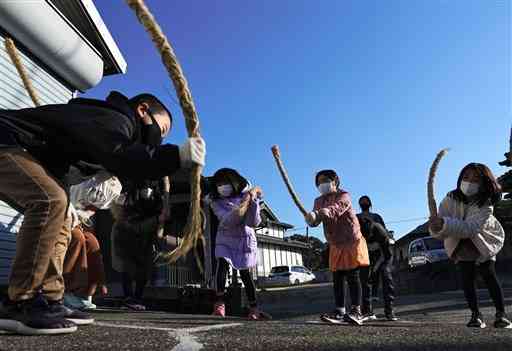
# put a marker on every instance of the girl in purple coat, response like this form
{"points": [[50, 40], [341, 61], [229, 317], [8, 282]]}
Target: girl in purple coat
{"points": [[236, 244]]}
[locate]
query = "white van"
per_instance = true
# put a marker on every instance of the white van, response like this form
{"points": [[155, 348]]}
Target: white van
{"points": [[288, 275], [426, 250]]}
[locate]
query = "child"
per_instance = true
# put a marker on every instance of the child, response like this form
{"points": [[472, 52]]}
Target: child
{"points": [[381, 266], [473, 236], [348, 251], [236, 243], [83, 269], [134, 235]]}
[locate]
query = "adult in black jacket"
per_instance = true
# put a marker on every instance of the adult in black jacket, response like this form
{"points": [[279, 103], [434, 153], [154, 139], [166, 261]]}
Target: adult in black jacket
{"points": [[39, 147], [381, 266]]}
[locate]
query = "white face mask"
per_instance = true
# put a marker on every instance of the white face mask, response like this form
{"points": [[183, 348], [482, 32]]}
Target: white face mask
{"points": [[225, 190], [469, 189], [326, 188]]}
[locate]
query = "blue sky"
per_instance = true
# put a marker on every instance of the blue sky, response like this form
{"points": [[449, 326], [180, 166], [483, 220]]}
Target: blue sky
{"points": [[372, 89]]}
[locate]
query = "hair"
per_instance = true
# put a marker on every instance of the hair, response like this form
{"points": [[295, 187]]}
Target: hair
{"points": [[329, 173], [365, 197], [490, 190], [155, 105], [230, 176]]}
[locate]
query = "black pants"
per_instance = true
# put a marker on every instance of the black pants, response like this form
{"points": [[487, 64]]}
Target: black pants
{"points": [[354, 286], [140, 285], [488, 272], [385, 273], [245, 274]]}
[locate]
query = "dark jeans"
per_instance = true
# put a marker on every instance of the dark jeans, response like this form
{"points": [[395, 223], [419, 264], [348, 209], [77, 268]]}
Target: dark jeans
{"points": [[487, 270], [245, 274], [140, 285], [385, 273], [354, 286]]}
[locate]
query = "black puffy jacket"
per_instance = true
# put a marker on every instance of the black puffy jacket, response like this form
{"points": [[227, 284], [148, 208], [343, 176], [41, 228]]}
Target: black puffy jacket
{"points": [[88, 133]]}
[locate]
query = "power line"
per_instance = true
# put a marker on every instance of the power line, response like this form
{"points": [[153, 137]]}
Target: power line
{"points": [[408, 220]]}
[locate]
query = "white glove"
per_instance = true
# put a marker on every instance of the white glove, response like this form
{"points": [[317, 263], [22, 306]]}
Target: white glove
{"points": [[193, 152], [311, 218]]}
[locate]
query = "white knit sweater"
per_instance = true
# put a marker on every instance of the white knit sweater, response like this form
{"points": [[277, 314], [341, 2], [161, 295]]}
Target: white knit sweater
{"points": [[468, 221]]}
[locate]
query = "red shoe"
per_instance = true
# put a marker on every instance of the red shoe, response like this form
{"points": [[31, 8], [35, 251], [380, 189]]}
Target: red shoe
{"points": [[256, 315], [219, 309]]}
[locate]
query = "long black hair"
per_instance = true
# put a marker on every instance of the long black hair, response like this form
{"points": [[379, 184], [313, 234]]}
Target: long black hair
{"points": [[490, 190], [230, 176], [328, 173]]}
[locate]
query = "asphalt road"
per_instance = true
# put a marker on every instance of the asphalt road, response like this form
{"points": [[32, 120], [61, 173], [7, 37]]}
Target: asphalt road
{"points": [[428, 322]]}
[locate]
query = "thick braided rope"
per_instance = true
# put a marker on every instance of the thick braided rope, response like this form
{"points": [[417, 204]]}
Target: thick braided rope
{"points": [[284, 175], [432, 206], [16, 60], [193, 229]]}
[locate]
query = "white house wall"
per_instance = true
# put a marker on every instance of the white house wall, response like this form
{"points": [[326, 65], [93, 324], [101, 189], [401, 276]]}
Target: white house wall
{"points": [[270, 255], [14, 96]]}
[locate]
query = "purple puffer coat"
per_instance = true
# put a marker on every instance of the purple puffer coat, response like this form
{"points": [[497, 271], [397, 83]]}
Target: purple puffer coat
{"points": [[236, 240]]}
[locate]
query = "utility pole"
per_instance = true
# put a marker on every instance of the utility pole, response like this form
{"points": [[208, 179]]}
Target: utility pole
{"points": [[308, 248]]}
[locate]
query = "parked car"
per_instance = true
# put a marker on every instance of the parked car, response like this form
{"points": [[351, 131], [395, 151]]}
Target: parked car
{"points": [[426, 250], [289, 275]]}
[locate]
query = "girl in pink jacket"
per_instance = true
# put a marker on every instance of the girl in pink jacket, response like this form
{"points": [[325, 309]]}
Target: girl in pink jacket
{"points": [[347, 246]]}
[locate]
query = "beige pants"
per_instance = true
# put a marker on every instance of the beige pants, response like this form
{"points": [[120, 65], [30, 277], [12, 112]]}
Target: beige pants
{"points": [[44, 235]]}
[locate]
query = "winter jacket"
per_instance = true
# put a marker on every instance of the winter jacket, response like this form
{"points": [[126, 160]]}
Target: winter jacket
{"points": [[236, 239], [88, 134], [468, 221], [341, 226]]}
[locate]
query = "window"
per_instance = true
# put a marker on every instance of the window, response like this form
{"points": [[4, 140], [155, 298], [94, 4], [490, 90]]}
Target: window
{"points": [[280, 269], [297, 269], [433, 244], [417, 246]]}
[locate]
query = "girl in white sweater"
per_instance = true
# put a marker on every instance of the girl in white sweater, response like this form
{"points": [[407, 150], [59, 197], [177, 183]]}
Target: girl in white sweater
{"points": [[473, 236]]}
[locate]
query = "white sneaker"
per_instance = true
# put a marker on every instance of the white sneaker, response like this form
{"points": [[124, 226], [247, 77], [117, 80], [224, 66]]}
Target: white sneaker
{"points": [[89, 305], [72, 301]]}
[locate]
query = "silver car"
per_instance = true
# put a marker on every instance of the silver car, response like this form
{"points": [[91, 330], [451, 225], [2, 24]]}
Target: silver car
{"points": [[426, 250]]}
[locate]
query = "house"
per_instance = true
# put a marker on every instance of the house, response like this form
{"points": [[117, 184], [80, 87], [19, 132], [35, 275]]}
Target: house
{"points": [[66, 48], [273, 248]]}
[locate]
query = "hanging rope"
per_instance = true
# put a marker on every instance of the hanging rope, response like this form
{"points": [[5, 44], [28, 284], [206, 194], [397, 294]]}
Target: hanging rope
{"points": [[284, 174], [432, 206], [16, 60], [193, 230]]}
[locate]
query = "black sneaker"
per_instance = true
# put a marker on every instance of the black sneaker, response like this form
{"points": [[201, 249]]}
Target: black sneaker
{"points": [[134, 304], [390, 316], [477, 321], [502, 322], [75, 316], [354, 316], [336, 314], [33, 317]]}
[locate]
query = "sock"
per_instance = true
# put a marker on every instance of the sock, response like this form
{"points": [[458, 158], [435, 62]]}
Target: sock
{"points": [[341, 310], [89, 298]]}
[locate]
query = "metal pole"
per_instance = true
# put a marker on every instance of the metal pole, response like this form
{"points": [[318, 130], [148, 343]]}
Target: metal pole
{"points": [[308, 248]]}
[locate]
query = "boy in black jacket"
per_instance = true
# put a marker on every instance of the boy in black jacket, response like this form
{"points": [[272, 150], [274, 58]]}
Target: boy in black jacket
{"points": [[39, 147], [381, 266]]}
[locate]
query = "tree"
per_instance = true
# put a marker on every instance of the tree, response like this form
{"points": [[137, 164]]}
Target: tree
{"points": [[312, 257]]}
